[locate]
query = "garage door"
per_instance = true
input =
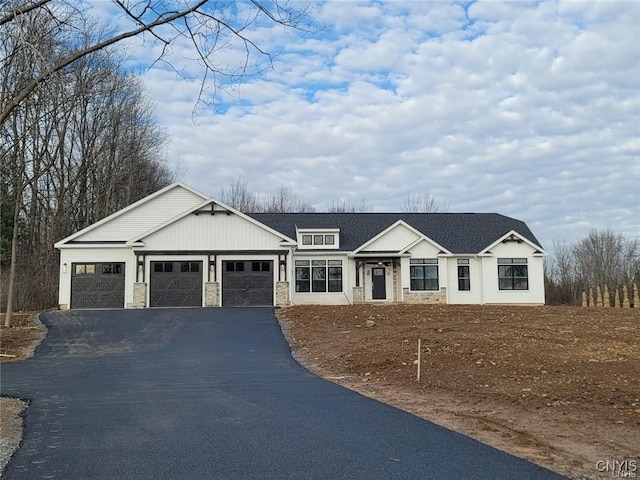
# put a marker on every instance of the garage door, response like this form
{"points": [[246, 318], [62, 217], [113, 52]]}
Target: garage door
{"points": [[247, 283], [175, 284], [97, 285]]}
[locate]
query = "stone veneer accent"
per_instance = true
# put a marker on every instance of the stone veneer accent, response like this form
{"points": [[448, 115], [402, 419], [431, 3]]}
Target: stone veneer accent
{"points": [[282, 294], [211, 294], [139, 295], [425, 297], [358, 295]]}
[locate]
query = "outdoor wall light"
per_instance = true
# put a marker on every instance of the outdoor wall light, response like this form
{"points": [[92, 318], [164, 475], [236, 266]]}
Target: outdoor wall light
{"points": [[64, 268]]}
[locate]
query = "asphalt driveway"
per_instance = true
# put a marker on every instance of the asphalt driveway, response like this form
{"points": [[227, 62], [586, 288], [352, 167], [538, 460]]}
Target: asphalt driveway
{"points": [[214, 394]]}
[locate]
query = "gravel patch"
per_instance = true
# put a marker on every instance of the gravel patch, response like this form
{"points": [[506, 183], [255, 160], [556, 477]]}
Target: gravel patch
{"points": [[11, 426]]}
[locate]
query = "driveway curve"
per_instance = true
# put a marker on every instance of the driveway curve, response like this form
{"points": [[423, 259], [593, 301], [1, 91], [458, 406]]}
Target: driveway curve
{"points": [[214, 394]]}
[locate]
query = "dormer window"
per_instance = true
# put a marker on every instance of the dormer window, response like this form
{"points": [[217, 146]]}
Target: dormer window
{"points": [[322, 239]]}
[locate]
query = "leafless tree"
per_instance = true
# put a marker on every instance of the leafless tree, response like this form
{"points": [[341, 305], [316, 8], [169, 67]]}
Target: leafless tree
{"points": [[237, 195], [208, 26], [423, 203], [285, 200], [82, 145], [601, 258], [345, 205]]}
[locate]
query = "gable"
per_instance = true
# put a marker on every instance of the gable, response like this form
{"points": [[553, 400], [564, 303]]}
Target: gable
{"points": [[140, 216], [511, 244], [424, 249], [220, 231], [395, 239]]}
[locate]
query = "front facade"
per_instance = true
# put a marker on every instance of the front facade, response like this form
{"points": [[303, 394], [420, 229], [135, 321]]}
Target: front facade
{"points": [[178, 247]]}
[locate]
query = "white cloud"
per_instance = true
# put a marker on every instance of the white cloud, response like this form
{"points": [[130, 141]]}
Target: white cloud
{"points": [[530, 109]]}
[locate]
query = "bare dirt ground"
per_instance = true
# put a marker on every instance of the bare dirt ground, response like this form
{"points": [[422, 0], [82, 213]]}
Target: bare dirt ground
{"points": [[559, 386]]}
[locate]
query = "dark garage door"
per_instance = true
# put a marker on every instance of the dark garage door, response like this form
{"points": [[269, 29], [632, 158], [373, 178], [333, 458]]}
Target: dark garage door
{"points": [[175, 284], [97, 285], [247, 283]]}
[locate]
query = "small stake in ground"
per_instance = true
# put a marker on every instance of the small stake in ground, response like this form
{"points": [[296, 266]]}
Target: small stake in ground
{"points": [[419, 360]]}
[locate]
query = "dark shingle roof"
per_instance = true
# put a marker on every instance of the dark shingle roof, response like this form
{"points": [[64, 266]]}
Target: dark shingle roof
{"points": [[457, 232]]}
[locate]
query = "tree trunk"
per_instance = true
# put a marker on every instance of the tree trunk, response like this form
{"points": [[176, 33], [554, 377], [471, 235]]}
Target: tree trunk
{"points": [[12, 268]]}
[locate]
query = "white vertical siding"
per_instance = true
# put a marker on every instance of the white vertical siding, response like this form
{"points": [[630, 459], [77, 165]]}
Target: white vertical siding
{"points": [[217, 232], [144, 217], [69, 256]]}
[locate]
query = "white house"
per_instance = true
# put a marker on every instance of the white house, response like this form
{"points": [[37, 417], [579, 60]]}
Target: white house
{"points": [[178, 247]]}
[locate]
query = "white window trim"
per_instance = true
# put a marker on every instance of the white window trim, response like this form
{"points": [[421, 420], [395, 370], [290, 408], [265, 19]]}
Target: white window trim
{"points": [[318, 231]]}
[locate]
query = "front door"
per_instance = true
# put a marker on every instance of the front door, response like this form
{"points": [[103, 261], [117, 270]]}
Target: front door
{"points": [[379, 286]]}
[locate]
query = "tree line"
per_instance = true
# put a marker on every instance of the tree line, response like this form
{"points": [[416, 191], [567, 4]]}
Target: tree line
{"points": [[78, 136], [239, 196], [601, 259], [83, 145]]}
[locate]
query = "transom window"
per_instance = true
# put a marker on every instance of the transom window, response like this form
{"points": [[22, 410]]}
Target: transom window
{"points": [[513, 274], [85, 268], [424, 274], [464, 278], [99, 268], [321, 238], [163, 267], [328, 239], [318, 276]]}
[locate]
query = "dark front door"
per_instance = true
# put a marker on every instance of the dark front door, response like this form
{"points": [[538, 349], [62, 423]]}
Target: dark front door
{"points": [[247, 283], [97, 285], [175, 284], [379, 283]]}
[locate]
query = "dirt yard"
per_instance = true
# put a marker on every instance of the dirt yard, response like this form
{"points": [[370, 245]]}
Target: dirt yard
{"points": [[557, 385]]}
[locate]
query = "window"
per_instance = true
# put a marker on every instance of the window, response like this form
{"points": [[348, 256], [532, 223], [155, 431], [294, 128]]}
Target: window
{"points": [[303, 282], [320, 239], [424, 274], [464, 279], [334, 279], [163, 267], [110, 268], [513, 274], [260, 266], [190, 267], [318, 276], [234, 266]]}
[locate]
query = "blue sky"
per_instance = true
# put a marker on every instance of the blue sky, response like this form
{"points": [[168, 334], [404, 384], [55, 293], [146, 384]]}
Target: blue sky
{"points": [[529, 109]]}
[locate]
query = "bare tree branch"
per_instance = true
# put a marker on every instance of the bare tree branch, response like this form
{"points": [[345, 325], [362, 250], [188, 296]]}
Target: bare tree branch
{"points": [[16, 12]]}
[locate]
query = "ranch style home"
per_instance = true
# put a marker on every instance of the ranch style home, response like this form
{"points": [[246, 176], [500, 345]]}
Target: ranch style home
{"points": [[178, 247]]}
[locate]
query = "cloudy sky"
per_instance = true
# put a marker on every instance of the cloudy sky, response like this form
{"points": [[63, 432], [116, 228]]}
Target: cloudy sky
{"points": [[529, 109]]}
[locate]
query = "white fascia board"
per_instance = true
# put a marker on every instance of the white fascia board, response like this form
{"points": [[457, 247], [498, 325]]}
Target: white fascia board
{"points": [[379, 255], [211, 201], [127, 209], [94, 245], [420, 235], [321, 230], [324, 253], [540, 251], [423, 238]]}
